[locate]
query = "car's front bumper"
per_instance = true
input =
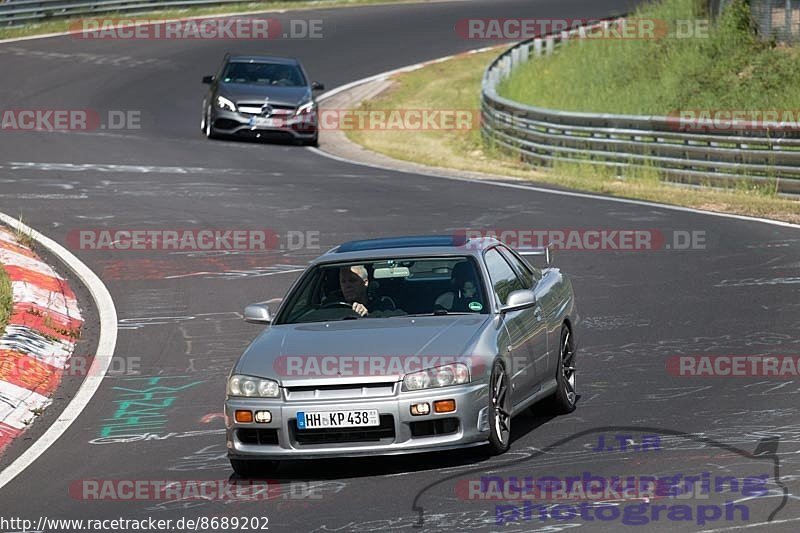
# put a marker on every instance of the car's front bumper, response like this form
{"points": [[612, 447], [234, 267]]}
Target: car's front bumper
{"points": [[233, 123], [283, 440]]}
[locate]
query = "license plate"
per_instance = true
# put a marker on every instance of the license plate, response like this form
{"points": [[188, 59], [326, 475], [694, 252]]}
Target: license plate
{"points": [[261, 122], [338, 419]]}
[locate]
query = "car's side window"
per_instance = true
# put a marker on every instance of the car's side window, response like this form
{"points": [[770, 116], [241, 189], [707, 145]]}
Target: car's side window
{"points": [[504, 279], [529, 274]]}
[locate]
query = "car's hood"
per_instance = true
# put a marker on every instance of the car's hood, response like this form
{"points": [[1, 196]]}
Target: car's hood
{"points": [[384, 348], [277, 95]]}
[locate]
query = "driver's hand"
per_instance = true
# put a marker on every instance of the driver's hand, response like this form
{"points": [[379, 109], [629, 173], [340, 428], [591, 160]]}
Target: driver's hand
{"points": [[360, 309]]}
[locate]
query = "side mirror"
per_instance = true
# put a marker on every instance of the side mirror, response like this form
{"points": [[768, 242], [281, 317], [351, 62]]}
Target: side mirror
{"points": [[519, 300], [317, 86], [208, 80], [257, 314]]}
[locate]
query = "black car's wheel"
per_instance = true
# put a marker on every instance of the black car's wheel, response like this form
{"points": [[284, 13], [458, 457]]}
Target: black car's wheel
{"points": [[208, 129], [499, 410], [565, 397], [309, 142], [252, 469]]}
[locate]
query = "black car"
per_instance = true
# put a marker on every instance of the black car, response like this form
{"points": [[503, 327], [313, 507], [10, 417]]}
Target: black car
{"points": [[261, 97]]}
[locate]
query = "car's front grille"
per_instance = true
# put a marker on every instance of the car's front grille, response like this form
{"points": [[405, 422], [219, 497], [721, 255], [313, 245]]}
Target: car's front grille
{"points": [[257, 436], [339, 392], [254, 108], [383, 433]]}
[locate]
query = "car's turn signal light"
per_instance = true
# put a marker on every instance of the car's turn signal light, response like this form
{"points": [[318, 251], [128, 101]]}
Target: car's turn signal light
{"points": [[244, 417], [444, 406]]}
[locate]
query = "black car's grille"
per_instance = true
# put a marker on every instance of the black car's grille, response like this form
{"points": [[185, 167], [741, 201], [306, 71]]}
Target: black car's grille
{"points": [[254, 108], [383, 432], [257, 436]]}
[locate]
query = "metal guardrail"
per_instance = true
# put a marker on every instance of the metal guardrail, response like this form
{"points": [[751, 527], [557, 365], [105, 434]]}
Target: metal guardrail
{"points": [[19, 12], [718, 156]]}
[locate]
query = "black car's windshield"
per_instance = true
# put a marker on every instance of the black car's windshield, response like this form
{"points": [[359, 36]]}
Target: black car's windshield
{"points": [[386, 288], [259, 73]]}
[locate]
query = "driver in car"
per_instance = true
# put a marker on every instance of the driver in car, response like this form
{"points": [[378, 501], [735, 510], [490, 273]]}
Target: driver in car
{"points": [[353, 282]]}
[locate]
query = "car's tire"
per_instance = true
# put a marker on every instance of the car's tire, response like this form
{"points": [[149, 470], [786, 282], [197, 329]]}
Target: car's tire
{"points": [[564, 399], [499, 410], [249, 468], [208, 129], [306, 142]]}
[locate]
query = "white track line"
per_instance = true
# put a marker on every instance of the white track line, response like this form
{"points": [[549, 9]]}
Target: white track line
{"points": [[105, 350], [748, 526], [410, 68], [557, 192]]}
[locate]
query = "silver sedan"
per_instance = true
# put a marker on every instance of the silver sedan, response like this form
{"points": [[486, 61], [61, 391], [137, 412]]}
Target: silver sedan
{"points": [[400, 345]]}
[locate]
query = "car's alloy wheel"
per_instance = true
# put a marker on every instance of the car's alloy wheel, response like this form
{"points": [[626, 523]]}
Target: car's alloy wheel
{"points": [[253, 468], [499, 410], [565, 396]]}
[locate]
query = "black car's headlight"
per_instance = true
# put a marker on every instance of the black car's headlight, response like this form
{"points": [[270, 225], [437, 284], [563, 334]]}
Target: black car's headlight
{"points": [[224, 103], [251, 387], [440, 376], [305, 109]]}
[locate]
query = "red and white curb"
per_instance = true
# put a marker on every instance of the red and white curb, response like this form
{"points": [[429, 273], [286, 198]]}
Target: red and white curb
{"points": [[39, 339]]}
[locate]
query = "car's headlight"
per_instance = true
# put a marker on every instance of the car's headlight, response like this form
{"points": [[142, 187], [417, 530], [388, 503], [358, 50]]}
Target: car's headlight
{"points": [[224, 103], [250, 387], [308, 107], [441, 376]]}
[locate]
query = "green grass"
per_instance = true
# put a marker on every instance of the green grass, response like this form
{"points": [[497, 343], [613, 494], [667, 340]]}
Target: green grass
{"points": [[5, 299], [731, 69], [64, 25]]}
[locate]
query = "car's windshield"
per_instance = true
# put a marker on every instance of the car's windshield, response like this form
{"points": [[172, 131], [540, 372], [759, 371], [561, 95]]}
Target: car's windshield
{"points": [[386, 288], [260, 73]]}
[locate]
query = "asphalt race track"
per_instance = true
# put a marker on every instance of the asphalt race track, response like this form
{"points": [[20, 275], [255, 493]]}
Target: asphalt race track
{"points": [[180, 313]]}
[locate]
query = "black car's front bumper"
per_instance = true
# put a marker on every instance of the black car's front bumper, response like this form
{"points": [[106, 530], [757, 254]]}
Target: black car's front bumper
{"points": [[297, 127]]}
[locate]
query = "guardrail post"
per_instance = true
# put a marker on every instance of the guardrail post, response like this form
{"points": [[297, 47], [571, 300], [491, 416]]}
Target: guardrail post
{"points": [[525, 53], [550, 44], [537, 47]]}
